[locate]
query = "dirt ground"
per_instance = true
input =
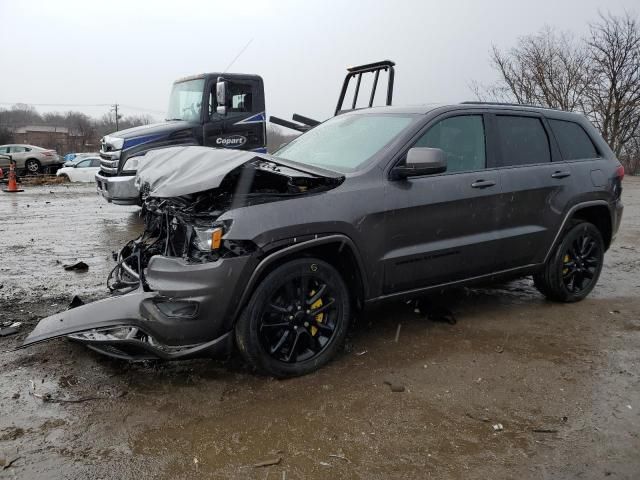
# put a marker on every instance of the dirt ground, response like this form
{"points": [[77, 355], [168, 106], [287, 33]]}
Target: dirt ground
{"points": [[562, 380]]}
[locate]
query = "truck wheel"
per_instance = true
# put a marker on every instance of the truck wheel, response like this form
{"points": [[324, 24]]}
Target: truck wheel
{"points": [[296, 319], [574, 267], [32, 166]]}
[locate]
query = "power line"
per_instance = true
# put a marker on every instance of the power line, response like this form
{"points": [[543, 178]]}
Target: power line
{"points": [[70, 105]]}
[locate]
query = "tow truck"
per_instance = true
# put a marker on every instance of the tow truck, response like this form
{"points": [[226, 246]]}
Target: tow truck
{"points": [[220, 110]]}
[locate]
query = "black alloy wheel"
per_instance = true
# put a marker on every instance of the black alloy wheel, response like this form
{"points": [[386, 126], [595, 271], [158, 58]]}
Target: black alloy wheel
{"points": [[296, 320], [574, 268]]}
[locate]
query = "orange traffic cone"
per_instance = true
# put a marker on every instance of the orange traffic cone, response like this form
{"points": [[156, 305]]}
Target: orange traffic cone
{"points": [[12, 187]]}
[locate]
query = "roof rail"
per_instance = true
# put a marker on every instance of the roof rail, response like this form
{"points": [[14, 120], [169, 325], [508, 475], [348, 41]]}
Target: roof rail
{"points": [[505, 104]]}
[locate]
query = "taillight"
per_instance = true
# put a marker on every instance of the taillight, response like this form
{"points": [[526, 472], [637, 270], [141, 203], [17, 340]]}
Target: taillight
{"points": [[620, 172]]}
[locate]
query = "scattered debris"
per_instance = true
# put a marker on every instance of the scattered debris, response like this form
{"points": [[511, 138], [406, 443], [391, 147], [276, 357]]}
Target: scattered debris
{"points": [[361, 353], [478, 380], [76, 301], [629, 407], [15, 396], [325, 464], [269, 462], [499, 349], [544, 430], [498, 427], [5, 332], [395, 387], [398, 332], [434, 312], [6, 462], [78, 267], [48, 398], [612, 312], [341, 457], [482, 419]]}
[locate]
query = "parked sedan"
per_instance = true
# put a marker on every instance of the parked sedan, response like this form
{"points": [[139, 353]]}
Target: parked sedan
{"points": [[70, 159], [83, 171], [30, 158]]}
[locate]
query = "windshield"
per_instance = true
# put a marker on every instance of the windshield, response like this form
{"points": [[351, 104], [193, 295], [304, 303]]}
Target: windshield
{"points": [[344, 143], [186, 100]]}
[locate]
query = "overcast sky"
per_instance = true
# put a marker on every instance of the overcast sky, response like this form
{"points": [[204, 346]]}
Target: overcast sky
{"points": [[100, 52]]}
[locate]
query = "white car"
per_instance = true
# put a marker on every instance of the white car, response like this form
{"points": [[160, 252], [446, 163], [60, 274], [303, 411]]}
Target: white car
{"points": [[83, 171]]}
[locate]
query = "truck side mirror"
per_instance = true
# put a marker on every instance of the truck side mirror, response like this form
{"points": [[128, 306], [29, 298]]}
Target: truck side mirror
{"points": [[421, 161], [221, 97]]}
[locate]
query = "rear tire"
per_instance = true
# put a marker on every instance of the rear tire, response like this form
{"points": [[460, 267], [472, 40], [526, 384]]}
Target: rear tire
{"points": [[32, 166], [574, 267], [296, 320]]}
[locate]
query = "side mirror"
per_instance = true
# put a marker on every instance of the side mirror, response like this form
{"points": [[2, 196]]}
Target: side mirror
{"points": [[421, 161], [221, 97]]}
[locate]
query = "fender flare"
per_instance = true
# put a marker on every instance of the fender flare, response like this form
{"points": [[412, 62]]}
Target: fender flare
{"points": [[291, 249], [569, 214]]}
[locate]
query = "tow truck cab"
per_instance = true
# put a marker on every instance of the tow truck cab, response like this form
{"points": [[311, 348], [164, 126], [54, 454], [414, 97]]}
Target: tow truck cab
{"points": [[213, 109]]}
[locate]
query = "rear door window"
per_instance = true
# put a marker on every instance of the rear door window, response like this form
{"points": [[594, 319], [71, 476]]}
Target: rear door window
{"points": [[573, 141], [462, 140], [523, 141]]}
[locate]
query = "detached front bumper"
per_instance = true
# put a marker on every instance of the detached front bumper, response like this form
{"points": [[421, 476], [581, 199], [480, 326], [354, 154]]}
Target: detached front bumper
{"points": [[119, 190], [185, 312]]}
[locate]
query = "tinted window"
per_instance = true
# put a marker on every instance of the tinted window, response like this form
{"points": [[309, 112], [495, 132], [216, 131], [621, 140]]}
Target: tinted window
{"points": [[523, 140], [4, 149], [17, 149], [461, 138], [573, 141], [84, 164], [95, 162]]}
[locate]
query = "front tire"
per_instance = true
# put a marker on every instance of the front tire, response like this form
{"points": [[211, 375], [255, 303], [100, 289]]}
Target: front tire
{"points": [[574, 267], [296, 320]]}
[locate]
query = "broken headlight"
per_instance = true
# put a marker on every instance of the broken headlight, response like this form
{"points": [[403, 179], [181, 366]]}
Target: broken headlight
{"points": [[209, 239]]}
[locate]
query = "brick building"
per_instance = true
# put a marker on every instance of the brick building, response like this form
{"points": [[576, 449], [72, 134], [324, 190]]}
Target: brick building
{"points": [[61, 139]]}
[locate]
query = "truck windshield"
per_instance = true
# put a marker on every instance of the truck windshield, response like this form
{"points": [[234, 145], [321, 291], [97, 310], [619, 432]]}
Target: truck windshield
{"points": [[345, 143], [186, 100]]}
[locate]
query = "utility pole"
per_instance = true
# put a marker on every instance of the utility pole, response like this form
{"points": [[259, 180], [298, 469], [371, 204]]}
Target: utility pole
{"points": [[115, 109]]}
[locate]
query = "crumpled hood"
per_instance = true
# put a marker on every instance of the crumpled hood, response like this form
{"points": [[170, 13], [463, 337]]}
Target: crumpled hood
{"points": [[176, 171]]}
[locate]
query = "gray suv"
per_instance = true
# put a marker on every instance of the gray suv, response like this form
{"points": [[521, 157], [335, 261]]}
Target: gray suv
{"points": [[273, 254]]}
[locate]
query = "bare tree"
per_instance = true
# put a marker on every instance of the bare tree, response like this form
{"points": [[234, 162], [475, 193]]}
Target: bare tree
{"points": [[547, 69], [598, 76], [613, 93]]}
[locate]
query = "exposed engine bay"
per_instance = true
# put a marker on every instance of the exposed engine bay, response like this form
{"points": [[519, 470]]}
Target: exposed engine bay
{"points": [[187, 226]]}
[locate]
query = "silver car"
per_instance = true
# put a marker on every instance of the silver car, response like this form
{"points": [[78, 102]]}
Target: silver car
{"points": [[29, 157]]}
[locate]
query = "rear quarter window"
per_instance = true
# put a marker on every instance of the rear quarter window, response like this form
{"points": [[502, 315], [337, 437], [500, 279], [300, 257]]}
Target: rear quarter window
{"points": [[574, 142], [523, 140]]}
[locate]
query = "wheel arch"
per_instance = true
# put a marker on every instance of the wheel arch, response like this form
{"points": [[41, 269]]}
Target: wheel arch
{"points": [[338, 250], [597, 212], [600, 216]]}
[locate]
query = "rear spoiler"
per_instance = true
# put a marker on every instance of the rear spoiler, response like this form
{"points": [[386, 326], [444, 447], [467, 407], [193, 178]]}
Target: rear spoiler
{"points": [[302, 124]]}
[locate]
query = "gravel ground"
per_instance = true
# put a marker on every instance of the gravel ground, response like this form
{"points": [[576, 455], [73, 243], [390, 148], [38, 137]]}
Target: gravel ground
{"points": [[561, 380]]}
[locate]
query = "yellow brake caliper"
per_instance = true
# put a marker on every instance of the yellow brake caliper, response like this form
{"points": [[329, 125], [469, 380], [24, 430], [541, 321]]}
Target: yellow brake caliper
{"points": [[320, 316], [565, 260]]}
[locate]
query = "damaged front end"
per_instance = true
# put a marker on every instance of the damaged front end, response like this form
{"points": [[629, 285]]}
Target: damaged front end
{"points": [[176, 287]]}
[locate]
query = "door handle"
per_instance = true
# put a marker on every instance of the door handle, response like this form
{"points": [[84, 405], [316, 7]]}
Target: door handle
{"points": [[560, 174], [483, 184]]}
